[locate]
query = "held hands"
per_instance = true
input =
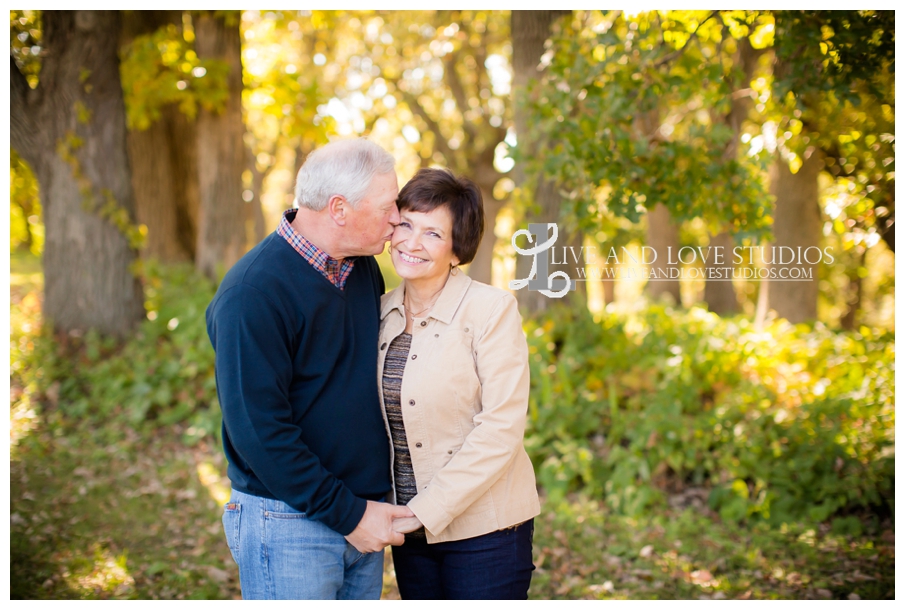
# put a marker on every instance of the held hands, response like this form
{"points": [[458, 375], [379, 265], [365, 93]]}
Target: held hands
{"points": [[375, 530], [406, 524]]}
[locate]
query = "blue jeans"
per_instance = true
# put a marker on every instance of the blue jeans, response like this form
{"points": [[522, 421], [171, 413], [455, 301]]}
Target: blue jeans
{"points": [[282, 554], [497, 565]]}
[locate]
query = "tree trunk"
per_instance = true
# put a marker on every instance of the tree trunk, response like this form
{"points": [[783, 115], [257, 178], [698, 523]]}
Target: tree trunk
{"points": [[530, 30], [663, 237], [254, 208], [182, 134], [258, 222], [155, 155], [221, 152], [481, 268], [72, 131], [609, 285], [796, 224], [849, 320], [719, 294], [481, 170], [152, 181], [762, 308]]}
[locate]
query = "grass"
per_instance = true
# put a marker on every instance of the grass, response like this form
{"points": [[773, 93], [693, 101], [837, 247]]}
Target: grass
{"points": [[100, 509], [99, 513], [584, 553], [103, 514]]}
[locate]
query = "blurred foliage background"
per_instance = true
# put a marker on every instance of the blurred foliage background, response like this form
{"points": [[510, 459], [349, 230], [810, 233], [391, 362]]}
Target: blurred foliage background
{"points": [[692, 439]]}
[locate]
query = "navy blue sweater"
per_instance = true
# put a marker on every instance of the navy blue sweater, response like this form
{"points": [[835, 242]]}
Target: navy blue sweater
{"points": [[296, 367]]}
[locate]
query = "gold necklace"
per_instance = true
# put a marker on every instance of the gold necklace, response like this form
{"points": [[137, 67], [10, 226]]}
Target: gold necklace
{"points": [[418, 313]]}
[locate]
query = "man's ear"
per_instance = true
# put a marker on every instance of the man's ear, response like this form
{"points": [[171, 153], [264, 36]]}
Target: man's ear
{"points": [[338, 208]]}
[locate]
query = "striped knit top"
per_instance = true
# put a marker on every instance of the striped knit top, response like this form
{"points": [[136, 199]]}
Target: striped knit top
{"points": [[403, 473]]}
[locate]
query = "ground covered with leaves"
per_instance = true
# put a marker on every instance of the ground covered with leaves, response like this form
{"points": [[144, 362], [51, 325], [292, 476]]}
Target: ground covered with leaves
{"points": [[582, 552], [106, 514], [101, 513]]}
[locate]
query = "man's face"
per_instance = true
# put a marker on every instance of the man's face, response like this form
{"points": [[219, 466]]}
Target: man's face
{"points": [[371, 225]]}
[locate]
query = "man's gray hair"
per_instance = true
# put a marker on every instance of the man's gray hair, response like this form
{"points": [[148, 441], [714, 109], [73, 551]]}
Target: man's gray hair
{"points": [[343, 167]]}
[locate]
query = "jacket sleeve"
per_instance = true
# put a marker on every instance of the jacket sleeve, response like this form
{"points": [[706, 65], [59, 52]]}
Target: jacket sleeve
{"points": [[501, 360], [254, 370]]}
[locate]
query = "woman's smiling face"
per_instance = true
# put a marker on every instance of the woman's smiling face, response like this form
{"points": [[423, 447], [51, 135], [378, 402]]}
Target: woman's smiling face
{"points": [[422, 244]]}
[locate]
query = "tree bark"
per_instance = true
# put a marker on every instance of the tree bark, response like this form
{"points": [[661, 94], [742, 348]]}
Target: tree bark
{"points": [[719, 294], [254, 208], [182, 135], [152, 182], [221, 152], [609, 286], [796, 224], [762, 309], [481, 268], [530, 30], [663, 237], [156, 153], [72, 131], [849, 319]]}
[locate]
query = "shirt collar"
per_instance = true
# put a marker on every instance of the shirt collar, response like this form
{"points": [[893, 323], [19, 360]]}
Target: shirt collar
{"points": [[286, 230], [336, 273]]}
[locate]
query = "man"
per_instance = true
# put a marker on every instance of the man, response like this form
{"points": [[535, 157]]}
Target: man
{"points": [[294, 327]]}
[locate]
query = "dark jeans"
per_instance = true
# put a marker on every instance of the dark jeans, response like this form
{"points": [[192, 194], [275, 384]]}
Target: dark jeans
{"points": [[497, 565]]}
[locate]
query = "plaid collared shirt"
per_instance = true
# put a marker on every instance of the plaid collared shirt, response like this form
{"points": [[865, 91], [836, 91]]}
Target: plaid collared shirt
{"points": [[335, 271]]}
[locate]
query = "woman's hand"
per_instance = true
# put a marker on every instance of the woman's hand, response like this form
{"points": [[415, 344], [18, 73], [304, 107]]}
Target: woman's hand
{"points": [[406, 524]]}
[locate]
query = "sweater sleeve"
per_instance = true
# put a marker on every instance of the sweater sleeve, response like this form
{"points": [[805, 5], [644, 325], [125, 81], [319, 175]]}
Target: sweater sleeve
{"points": [[254, 370], [501, 360]]}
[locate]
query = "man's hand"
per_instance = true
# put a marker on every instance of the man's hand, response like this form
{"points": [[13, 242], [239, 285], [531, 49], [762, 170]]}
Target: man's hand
{"points": [[375, 530], [407, 524]]}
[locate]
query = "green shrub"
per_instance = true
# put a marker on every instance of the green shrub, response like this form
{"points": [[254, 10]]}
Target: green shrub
{"points": [[161, 376], [787, 423], [792, 422]]}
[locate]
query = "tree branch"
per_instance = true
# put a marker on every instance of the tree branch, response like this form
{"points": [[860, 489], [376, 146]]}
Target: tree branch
{"points": [[483, 77], [439, 140], [694, 35], [482, 80], [660, 28], [458, 89]]}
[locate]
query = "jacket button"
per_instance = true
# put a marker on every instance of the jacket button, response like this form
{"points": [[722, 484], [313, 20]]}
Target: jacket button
{"points": [[414, 356], [435, 336], [449, 452], [418, 445], [424, 323], [383, 346], [466, 330], [412, 402]]}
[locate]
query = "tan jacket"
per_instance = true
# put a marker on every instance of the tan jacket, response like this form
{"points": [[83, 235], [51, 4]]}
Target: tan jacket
{"points": [[464, 404]]}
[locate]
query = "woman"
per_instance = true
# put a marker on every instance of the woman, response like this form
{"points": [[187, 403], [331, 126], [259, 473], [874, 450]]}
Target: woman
{"points": [[453, 361]]}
